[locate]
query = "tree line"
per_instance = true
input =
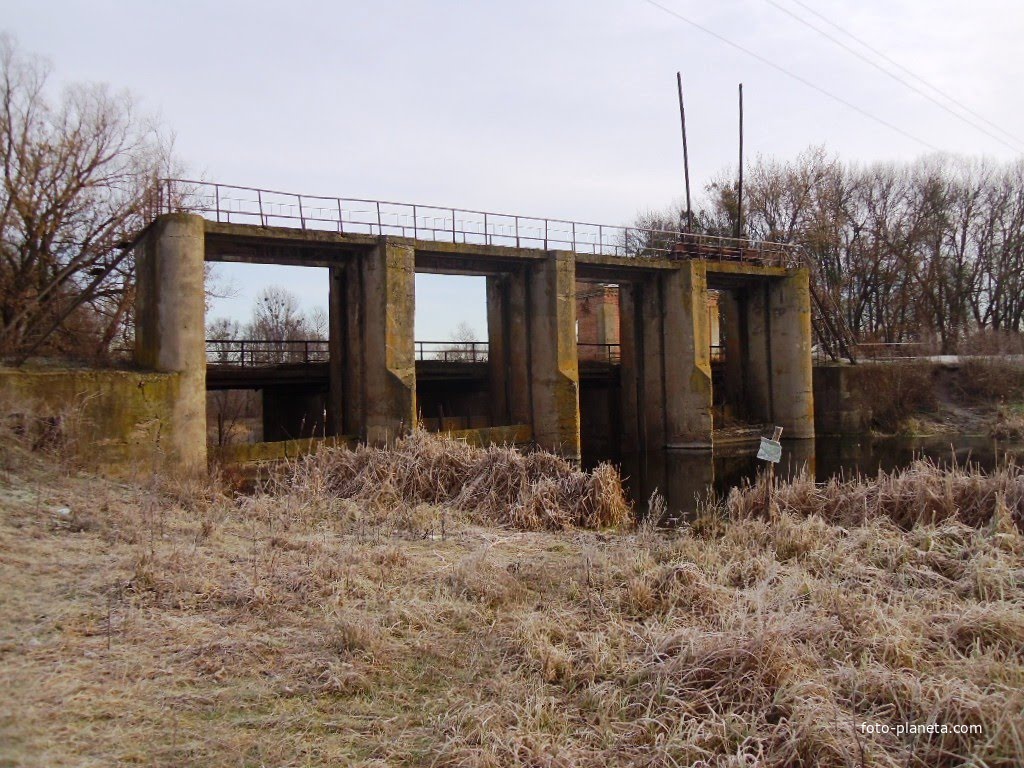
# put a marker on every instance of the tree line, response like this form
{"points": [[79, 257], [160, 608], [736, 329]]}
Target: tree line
{"points": [[928, 251]]}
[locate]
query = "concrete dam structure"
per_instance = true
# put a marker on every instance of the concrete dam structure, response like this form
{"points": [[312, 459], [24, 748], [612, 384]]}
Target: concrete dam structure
{"points": [[649, 386]]}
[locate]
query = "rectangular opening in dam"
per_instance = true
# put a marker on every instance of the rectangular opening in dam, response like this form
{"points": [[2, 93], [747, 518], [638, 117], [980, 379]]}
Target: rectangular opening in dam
{"points": [[451, 338], [268, 353], [598, 351]]}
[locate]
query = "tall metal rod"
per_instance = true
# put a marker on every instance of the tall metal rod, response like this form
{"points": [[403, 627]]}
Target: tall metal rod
{"points": [[686, 155], [739, 189]]}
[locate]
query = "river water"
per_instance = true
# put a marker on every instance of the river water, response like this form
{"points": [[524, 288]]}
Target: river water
{"points": [[682, 477]]}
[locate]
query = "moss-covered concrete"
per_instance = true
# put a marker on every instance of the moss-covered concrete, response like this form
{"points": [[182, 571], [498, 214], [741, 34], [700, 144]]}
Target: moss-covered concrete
{"points": [[120, 423]]}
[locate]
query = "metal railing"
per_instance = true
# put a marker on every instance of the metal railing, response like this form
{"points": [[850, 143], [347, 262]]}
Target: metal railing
{"points": [[882, 350], [248, 353], [452, 351], [250, 205]]}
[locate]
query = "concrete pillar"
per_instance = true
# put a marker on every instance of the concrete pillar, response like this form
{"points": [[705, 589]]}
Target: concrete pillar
{"points": [[686, 350], [352, 342], [732, 345], [336, 351], [170, 328], [497, 348], [757, 352], [508, 349], [652, 364], [389, 374], [629, 372], [792, 385], [517, 324], [554, 371]]}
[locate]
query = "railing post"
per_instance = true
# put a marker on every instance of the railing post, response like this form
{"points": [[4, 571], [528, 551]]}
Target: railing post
{"points": [[453, 225], [341, 218], [302, 218], [259, 197], [216, 195], [487, 240], [415, 233], [517, 231], [380, 229], [241, 352], [574, 236], [545, 234]]}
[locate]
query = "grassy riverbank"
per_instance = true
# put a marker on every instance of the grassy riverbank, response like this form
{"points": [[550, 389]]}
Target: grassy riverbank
{"points": [[384, 610]]}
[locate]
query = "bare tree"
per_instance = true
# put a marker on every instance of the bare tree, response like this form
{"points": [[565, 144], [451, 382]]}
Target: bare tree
{"points": [[463, 346], [78, 171], [931, 250]]}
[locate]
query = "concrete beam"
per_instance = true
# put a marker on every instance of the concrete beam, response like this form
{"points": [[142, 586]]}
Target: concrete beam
{"points": [[170, 328]]}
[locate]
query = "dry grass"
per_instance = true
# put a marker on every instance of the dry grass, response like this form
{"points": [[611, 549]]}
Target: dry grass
{"points": [[922, 493], [495, 485], [1008, 424], [178, 626], [989, 380], [894, 392]]}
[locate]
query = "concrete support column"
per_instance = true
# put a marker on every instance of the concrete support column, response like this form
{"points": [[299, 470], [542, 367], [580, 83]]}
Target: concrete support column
{"points": [[497, 348], [553, 365], [508, 351], [517, 325], [170, 328], [790, 354], [686, 346], [651, 370], [732, 340], [757, 360], [630, 354], [389, 295], [352, 333], [336, 352], [375, 330]]}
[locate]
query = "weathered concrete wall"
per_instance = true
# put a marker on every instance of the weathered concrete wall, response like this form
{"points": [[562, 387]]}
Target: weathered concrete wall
{"points": [[122, 423], [838, 410], [170, 332], [249, 453]]}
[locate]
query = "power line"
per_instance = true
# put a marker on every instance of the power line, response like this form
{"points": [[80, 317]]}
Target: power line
{"points": [[894, 76], [793, 75], [907, 71]]}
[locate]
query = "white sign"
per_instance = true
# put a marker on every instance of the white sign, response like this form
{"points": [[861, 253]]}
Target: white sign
{"points": [[770, 450]]}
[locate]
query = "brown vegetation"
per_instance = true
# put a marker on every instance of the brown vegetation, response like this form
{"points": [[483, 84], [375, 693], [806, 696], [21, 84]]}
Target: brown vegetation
{"points": [[174, 625], [495, 485]]}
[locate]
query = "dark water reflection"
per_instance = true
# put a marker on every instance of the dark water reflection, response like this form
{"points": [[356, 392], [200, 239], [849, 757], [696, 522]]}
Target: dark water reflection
{"points": [[683, 476]]}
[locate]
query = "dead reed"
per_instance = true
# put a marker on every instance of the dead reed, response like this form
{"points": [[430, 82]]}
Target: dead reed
{"points": [[923, 493], [498, 485]]}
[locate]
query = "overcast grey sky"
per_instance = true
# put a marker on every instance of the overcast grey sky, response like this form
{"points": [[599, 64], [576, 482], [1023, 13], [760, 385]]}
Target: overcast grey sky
{"points": [[562, 109]]}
